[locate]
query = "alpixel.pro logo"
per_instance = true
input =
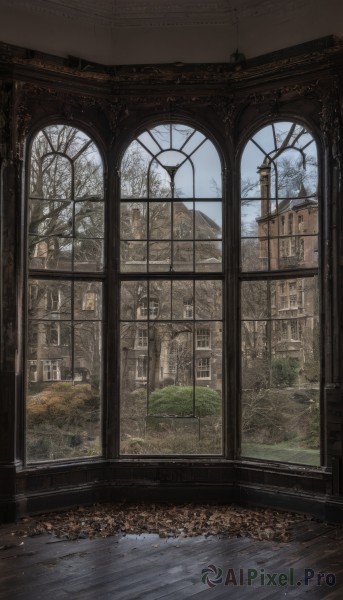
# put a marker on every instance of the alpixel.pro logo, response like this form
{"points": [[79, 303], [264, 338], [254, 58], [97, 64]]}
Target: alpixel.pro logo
{"points": [[212, 575]]}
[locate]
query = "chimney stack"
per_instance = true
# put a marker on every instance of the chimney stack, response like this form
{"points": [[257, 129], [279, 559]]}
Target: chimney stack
{"points": [[264, 171]]}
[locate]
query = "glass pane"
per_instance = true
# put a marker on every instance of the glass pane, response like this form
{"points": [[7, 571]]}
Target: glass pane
{"points": [[53, 253], [183, 217], [50, 218], [208, 220], [160, 220], [88, 255], [281, 371], [56, 179], [162, 135], [87, 352], [87, 300], [49, 299], [134, 296], [183, 256], [208, 300], [208, 256], [88, 175], [133, 172], [183, 299], [254, 254], [257, 298], [159, 181], [208, 172], [193, 142], [133, 220], [180, 135], [171, 158], [133, 256], [250, 213], [89, 219], [184, 181], [159, 256], [133, 384], [160, 299], [147, 140]]}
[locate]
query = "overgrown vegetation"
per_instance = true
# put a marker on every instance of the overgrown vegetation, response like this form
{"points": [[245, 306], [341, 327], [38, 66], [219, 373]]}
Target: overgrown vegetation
{"points": [[63, 421], [169, 427], [284, 371]]}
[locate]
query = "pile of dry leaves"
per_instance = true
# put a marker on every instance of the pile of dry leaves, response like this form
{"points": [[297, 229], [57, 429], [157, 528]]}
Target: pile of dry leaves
{"points": [[103, 520]]}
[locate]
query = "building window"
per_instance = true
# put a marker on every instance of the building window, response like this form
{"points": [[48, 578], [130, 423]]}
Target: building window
{"points": [[293, 301], [51, 370], [203, 368], [171, 275], [294, 330], [290, 223], [153, 308], [283, 302], [284, 329], [142, 368], [65, 239], [282, 228], [188, 310], [89, 301], [142, 338], [203, 338], [53, 299], [276, 352]]}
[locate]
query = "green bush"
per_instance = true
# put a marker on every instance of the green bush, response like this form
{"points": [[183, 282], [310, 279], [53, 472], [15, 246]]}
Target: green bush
{"points": [[284, 371], [178, 401]]}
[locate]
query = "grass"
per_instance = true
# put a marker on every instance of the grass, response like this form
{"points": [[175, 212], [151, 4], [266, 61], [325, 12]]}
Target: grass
{"points": [[282, 452]]}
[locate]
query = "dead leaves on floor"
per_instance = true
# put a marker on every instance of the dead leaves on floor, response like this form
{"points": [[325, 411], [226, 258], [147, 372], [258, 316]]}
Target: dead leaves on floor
{"points": [[103, 520]]}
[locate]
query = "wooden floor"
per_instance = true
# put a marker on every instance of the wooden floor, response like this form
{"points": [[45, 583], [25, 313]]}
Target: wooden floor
{"points": [[149, 568]]}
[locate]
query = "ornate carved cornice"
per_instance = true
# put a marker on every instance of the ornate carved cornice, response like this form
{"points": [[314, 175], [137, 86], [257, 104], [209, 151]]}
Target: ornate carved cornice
{"points": [[274, 67]]}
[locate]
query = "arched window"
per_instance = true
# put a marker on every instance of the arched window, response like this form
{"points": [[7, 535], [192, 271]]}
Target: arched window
{"points": [[66, 260], [279, 295], [171, 276]]}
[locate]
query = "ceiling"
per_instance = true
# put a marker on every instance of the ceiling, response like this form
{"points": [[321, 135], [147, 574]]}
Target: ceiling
{"points": [[166, 31]]}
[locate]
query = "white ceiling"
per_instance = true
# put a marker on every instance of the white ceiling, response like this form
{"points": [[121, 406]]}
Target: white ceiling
{"points": [[160, 31]]}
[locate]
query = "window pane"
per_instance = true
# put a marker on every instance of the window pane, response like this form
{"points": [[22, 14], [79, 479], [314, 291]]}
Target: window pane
{"points": [[133, 216], [88, 255], [208, 220], [183, 299], [89, 219], [48, 218], [52, 253], [133, 256], [281, 370], [208, 256], [159, 220]]}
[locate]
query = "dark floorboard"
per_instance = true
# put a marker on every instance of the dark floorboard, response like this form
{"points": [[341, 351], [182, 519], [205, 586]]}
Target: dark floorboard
{"points": [[149, 568]]}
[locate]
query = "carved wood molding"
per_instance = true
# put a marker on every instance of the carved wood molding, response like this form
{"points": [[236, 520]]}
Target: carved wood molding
{"points": [[274, 67]]}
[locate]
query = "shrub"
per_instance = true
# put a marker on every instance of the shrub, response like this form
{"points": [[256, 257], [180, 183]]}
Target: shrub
{"points": [[61, 403], [178, 401], [284, 371]]}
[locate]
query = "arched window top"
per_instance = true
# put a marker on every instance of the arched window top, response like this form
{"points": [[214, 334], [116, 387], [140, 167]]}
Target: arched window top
{"points": [[65, 163], [283, 157], [65, 204], [171, 161]]}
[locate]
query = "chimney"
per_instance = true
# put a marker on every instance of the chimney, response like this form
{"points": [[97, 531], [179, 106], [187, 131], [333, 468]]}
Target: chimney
{"points": [[136, 222], [264, 172]]}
